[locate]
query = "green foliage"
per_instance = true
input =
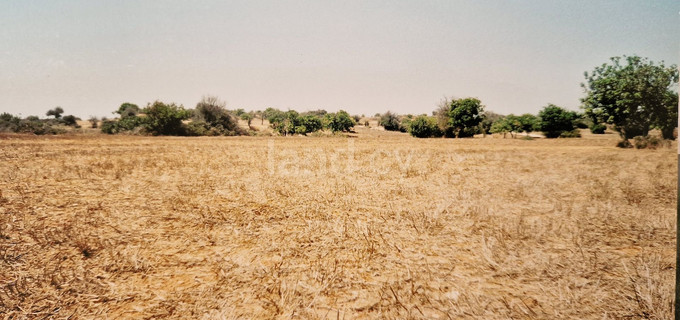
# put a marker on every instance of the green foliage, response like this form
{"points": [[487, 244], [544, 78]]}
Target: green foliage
{"points": [[424, 127], [390, 121], [488, 120], [598, 128], [56, 112], [291, 122], [125, 124], [633, 94], [165, 119], [128, 110], [529, 122], [9, 123], [647, 142], [576, 133], [339, 122], [70, 120], [310, 123], [464, 116], [211, 112], [556, 120], [249, 116]]}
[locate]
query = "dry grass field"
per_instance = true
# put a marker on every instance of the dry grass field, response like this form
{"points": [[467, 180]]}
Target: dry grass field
{"points": [[381, 225]]}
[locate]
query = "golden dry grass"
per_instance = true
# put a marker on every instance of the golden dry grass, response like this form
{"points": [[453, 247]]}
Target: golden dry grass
{"points": [[379, 226]]}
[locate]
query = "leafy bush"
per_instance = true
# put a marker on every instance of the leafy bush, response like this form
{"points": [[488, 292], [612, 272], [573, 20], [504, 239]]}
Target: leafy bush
{"points": [[556, 120], [212, 112], [94, 122], [424, 127], [9, 123], [128, 110], [576, 133], [125, 124], [390, 122], [339, 122], [70, 120], [165, 119], [647, 142], [598, 128], [464, 117]]}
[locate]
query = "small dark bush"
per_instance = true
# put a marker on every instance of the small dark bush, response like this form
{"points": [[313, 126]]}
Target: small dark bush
{"points": [[598, 128], [624, 144], [647, 142], [576, 133]]}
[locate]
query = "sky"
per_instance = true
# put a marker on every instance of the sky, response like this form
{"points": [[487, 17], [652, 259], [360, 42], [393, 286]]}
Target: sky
{"points": [[365, 57]]}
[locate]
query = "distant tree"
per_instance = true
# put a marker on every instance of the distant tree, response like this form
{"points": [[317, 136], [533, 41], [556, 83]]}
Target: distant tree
{"points": [[339, 122], [165, 119], [310, 123], [488, 120], [556, 120], [598, 128], [70, 120], [528, 123], [248, 116], [128, 110], [464, 117], [500, 126], [212, 111], [390, 121], [424, 127], [633, 94], [94, 122], [56, 112]]}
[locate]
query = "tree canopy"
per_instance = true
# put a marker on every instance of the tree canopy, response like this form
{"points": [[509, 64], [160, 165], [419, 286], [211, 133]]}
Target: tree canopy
{"points": [[634, 94]]}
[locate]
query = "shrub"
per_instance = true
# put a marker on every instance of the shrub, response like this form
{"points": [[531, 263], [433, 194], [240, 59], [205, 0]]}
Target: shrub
{"points": [[576, 133], [9, 123], [624, 144], [128, 110], [339, 122], [212, 111], [647, 142], [390, 121], [424, 127], [93, 122], [70, 120], [598, 128], [36, 126], [165, 119], [556, 120]]}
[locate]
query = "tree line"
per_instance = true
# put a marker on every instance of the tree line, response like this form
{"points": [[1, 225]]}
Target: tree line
{"points": [[630, 95]]}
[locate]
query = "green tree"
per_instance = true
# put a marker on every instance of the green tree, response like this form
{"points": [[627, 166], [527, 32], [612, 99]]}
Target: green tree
{"points": [[633, 94], [128, 110], [528, 123], [424, 127], [390, 121], [488, 120], [464, 117], [339, 122], [56, 112], [556, 120], [165, 119]]}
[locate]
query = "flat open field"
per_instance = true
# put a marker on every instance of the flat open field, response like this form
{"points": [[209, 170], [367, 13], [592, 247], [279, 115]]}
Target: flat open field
{"points": [[377, 226]]}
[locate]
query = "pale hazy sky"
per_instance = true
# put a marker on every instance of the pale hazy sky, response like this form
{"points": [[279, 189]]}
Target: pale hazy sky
{"points": [[89, 56]]}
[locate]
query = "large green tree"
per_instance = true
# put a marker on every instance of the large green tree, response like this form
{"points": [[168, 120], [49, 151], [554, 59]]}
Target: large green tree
{"points": [[464, 117], [634, 94], [556, 120]]}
